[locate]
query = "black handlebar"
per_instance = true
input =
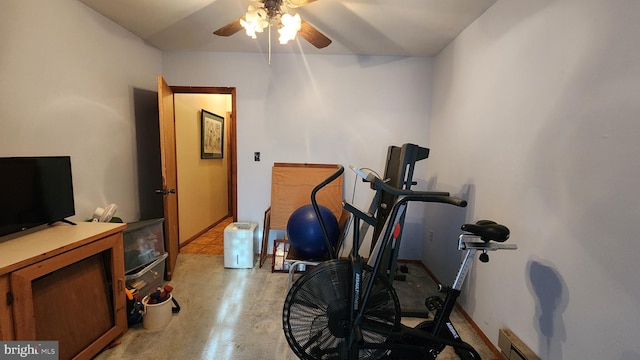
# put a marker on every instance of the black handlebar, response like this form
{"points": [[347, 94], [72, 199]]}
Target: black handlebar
{"points": [[425, 196], [410, 195], [316, 208], [335, 175]]}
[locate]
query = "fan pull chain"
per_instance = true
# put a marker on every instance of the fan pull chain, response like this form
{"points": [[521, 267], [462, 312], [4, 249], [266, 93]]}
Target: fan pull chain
{"points": [[269, 42]]}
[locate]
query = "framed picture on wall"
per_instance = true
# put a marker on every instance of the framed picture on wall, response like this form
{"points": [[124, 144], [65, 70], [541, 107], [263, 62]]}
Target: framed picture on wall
{"points": [[212, 136]]}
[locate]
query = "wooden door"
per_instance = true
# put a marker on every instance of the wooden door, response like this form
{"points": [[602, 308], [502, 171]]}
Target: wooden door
{"points": [[232, 183], [169, 172]]}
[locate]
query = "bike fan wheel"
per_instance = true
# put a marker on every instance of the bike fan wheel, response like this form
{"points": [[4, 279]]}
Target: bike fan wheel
{"points": [[315, 317]]}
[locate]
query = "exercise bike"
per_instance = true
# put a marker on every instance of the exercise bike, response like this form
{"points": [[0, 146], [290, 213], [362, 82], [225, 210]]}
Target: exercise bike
{"points": [[347, 309]]}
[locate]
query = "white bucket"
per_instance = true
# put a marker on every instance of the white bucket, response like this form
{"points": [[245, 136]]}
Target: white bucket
{"points": [[156, 316]]}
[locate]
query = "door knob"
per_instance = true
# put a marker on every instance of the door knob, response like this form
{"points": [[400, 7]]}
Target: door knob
{"points": [[165, 191]]}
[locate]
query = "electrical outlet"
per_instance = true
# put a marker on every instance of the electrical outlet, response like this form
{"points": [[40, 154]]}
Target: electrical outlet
{"points": [[430, 235], [256, 156]]}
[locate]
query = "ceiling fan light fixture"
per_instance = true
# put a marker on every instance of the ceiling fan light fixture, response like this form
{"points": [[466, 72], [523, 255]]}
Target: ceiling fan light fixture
{"points": [[268, 13], [255, 20], [290, 25]]}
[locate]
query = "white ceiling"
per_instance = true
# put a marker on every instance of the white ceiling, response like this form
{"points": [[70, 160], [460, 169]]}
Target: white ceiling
{"points": [[356, 27]]}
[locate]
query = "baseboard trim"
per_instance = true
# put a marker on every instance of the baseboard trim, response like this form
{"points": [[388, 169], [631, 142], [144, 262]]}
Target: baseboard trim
{"points": [[216, 223]]}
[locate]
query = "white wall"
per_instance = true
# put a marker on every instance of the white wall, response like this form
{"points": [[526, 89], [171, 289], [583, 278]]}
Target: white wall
{"points": [[535, 112], [532, 121], [314, 109], [67, 77]]}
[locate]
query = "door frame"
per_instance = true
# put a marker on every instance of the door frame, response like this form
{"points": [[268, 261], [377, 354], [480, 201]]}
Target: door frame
{"points": [[166, 99], [232, 164]]}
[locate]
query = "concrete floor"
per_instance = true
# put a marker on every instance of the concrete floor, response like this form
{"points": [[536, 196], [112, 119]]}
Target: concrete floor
{"points": [[237, 314]]}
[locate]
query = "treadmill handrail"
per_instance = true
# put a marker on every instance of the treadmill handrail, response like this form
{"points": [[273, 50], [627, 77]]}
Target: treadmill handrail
{"points": [[422, 196]]}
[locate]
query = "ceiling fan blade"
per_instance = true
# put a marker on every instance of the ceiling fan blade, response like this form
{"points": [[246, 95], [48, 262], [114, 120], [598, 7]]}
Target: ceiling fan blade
{"points": [[230, 29], [297, 3], [312, 35]]}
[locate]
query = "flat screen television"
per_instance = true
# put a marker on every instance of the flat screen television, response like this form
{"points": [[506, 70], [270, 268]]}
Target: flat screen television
{"points": [[34, 191]]}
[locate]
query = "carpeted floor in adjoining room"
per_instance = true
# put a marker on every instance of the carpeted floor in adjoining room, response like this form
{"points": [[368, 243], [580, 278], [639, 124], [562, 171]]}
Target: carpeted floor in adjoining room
{"points": [[237, 314]]}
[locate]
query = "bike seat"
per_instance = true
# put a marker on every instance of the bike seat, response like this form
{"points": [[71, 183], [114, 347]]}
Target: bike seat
{"points": [[488, 230]]}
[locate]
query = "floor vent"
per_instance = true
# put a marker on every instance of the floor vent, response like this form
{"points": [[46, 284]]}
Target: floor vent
{"points": [[512, 348]]}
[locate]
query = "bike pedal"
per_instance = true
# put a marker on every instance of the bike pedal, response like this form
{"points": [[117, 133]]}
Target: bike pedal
{"points": [[433, 303]]}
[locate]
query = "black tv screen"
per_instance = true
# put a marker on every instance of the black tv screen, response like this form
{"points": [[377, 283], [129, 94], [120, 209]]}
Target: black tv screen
{"points": [[35, 191]]}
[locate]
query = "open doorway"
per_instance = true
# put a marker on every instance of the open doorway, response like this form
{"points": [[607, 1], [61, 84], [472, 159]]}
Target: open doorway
{"points": [[220, 100], [164, 172], [203, 180]]}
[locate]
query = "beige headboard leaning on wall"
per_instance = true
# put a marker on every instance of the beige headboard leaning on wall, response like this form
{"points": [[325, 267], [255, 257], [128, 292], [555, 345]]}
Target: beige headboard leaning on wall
{"points": [[291, 186]]}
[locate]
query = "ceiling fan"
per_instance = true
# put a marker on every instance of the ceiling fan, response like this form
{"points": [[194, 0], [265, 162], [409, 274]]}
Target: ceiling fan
{"points": [[274, 12]]}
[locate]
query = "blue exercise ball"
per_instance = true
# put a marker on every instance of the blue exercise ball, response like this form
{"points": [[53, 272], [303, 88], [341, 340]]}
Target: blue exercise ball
{"points": [[305, 233]]}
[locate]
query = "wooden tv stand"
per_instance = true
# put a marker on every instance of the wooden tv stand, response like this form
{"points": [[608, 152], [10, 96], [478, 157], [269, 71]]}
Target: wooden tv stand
{"points": [[64, 283]]}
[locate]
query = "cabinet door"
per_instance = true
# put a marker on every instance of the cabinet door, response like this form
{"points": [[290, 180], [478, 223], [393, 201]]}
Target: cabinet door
{"points": [[68, 298]]}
